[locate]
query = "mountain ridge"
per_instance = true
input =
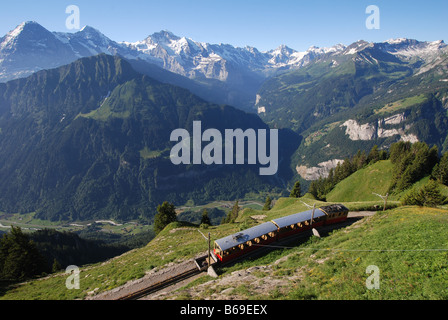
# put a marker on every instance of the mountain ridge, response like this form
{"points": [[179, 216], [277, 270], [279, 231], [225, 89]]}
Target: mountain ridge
{"points": [[238, 72], [91, 140]]}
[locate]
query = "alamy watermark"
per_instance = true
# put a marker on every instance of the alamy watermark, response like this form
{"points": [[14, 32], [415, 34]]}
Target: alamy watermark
{"points": [[373, 20], [212, 153], [373, 281], [72, 281], [73, 21]]}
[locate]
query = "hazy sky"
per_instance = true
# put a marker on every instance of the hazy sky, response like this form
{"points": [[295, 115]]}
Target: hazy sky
{"points": [[264, 24]]}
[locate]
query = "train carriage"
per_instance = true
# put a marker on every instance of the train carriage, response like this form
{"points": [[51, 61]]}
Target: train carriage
{"points": [[336, 213], [243, 242], [299, 222]]}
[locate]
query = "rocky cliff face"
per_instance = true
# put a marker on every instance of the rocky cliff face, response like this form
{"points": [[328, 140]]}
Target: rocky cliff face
{"points": [[383, 128], [321, 171]]}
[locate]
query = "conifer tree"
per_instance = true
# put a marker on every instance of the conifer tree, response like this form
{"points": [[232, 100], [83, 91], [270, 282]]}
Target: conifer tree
{"points": [[427, 196], [440, 172], [205, 218], [19, 257], [233, 214], [267, 204], [296, 191], [56, 266], [166, 215], [374, 155]]}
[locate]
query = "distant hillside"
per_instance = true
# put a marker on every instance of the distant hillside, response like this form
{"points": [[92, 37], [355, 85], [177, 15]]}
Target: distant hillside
{"points": [[368, 94], [92, 140]]}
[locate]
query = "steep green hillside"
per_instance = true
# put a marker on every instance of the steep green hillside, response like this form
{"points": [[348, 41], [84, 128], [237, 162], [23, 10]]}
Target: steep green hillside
{"points": [[361, 185], [407, 245]]}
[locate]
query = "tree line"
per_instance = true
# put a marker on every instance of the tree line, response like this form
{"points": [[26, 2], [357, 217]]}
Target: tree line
{"points": [[24, 256], [411, 163], [321, 187]]}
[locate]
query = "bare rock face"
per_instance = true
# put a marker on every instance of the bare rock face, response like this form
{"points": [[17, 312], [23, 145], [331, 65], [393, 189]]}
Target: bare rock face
{"points": [[381, 129], [359, 132], [315, 173]]}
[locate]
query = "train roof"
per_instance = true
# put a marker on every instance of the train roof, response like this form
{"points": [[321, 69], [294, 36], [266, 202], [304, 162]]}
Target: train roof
{"points": [[334, 208], [245, 235], [262, 229], [298, 217]]}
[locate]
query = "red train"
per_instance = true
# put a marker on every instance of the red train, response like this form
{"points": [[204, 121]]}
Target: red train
{"points": [[244, 242]]}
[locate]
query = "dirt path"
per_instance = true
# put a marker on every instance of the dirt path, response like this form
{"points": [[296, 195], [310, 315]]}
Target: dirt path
{"points": [[361, 214]]}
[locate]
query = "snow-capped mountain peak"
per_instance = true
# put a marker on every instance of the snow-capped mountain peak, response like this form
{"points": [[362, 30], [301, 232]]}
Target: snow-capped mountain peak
{"points": [[30, 47], [411, 49], [93, 36], [89, 31], [28, 29], [163, 36], [396, 41]]}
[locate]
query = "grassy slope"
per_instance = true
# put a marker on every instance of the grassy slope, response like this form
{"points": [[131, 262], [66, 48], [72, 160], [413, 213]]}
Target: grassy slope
{"points": [[419, 274], [178, 242], [361, 185], [400, 242], [342, 275]]}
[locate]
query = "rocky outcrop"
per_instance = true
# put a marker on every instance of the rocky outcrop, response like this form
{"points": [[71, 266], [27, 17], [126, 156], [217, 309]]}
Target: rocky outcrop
{"points": [[381, 129], [322, 170]]}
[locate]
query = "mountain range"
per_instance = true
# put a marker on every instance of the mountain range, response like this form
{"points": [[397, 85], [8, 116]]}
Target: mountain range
{"points": [[91, 139], [180, 55], [238, 72], [85, 120], [369, 94]]}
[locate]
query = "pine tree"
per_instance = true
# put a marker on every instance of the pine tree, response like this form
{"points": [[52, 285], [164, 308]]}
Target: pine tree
{"points": [[205, 218], [441, 171], [19, 257], [296, 191], [374, 155], [428, 196], [267, 204], [431, 194], [233, 214], [56, 266], [166, 215]]}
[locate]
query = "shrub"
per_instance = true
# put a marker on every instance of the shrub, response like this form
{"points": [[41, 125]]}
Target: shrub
{"points": [[427, 196]]}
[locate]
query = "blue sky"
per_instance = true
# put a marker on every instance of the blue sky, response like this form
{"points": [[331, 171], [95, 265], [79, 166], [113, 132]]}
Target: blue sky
{"points": [[259, 23]]}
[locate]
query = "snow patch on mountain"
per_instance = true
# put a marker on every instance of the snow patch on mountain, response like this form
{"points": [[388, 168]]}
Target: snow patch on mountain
{"points": [[181, 55]]}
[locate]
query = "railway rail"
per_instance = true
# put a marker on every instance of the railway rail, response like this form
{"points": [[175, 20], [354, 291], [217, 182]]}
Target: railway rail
{"points": [[168, 278], [200, 264], [160, 285]]}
